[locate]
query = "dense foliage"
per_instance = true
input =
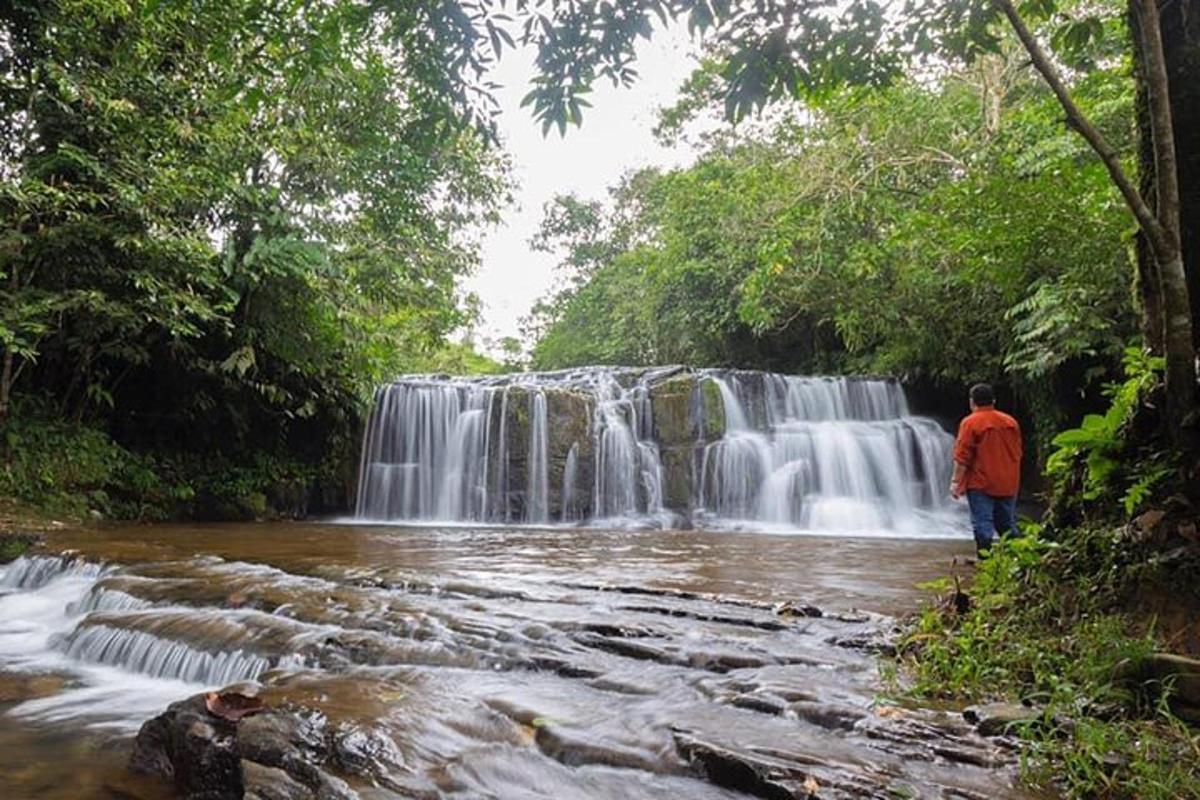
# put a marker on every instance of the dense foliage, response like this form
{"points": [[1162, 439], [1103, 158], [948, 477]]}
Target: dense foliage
{"points": [[920, 230], [224, 222]]}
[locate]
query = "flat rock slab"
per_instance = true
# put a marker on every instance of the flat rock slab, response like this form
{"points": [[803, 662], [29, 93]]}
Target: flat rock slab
{"points": [[994, 719]]}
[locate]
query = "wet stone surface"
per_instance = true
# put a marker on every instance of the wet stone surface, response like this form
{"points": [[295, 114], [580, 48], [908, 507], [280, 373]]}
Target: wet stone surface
{"points": [[422, 663]]}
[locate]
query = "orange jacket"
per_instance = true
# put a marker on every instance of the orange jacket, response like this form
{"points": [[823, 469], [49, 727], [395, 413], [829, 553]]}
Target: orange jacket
{"points": [[989, 446]]}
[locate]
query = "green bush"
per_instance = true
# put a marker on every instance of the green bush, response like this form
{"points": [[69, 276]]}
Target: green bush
{"points": [[71, 469], [1100, 461]]}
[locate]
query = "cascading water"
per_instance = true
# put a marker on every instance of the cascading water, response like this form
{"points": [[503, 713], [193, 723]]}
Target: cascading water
{"points": [[833, 455], [657, 447]]}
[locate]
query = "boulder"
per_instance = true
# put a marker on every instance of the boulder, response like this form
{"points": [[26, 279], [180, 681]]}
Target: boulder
{"points": [[194, 749], [280, 754], [1180, 673], [686, 414]]}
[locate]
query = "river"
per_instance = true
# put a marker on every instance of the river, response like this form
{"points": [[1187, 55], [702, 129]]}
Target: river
{"points": [[486, 662]]}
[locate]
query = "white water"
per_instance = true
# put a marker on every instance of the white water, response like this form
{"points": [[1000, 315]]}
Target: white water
{"points": [[538, 493], [828, 455], [840, 456], [115, 676]]}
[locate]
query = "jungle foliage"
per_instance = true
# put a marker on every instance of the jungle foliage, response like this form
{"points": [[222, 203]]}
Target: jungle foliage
{"points": [[917, 230], [224, 222]]}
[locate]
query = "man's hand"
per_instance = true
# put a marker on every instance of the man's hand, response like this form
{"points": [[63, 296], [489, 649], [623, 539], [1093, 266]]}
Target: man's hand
{"points": [[958, 480]]}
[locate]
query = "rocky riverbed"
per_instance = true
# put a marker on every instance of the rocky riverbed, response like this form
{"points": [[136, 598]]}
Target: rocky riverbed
{"points": [[507, 663]]}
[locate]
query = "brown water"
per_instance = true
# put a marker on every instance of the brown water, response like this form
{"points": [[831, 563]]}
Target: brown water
{"points": [[504, 663]]}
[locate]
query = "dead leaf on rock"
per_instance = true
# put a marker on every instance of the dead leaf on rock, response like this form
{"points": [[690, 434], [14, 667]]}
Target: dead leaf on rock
{"points": [[811, 786], [233, 705]]}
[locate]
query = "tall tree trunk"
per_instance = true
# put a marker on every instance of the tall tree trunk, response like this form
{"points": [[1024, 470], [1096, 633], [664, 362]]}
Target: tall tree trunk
{"points": [[1178, 345], [1160, 225], [1147, 285], [1181, 49]]}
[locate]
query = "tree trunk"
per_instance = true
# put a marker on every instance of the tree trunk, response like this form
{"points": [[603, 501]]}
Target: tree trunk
{"points": [[1181, 49], [1178, 345], [1147, 285]]}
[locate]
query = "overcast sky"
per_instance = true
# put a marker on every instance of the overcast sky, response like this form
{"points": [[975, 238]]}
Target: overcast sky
{"points": [[615, 138]]}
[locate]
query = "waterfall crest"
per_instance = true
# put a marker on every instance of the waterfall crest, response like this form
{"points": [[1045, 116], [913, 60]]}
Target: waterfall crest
{"points": [[657, 447]]}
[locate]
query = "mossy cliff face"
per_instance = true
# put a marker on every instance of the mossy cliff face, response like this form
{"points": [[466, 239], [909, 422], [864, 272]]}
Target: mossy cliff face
{"points": [[568, 421], [687, 413]]}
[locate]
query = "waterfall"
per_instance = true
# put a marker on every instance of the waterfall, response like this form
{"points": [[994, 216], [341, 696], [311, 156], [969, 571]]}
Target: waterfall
{"points": [[835, 455], [538, 493], [653, 447], [150, 655], [570, 475]]}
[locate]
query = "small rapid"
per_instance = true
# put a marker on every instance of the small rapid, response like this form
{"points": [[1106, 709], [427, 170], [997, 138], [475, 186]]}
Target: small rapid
{"points": [[495, 662]]}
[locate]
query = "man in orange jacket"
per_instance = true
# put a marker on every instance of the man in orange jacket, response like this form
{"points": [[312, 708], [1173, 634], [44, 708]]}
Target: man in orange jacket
{"points": [[987, 467]]}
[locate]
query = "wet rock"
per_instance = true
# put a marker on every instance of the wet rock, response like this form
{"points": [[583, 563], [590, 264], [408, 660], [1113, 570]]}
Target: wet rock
{"points": [[875, 643], [774, 775], [270, 783], [629, 649], [194, 749], [279, 754], [764, 704], [825, 715], [575, 749], [17, 687], [707, 616], [362, 751], [686, 413], [1179, 674], [994, 719], [794, 609], [671, 412]]}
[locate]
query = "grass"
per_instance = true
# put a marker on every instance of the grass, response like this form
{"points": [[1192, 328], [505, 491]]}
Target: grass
{"points": [[1046, 626]]}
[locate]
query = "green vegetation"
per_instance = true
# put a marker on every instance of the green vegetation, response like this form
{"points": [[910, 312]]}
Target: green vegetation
{"points": [[1043, 630], [224, 224], [1066, 617], [902, 232]]}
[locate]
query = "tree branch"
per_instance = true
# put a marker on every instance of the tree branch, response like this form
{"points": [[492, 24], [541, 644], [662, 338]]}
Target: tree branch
{"points": [[1156, 235]]}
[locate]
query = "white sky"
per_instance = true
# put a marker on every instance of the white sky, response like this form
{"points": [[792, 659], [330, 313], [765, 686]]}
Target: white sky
{"points": [[615, 138]]}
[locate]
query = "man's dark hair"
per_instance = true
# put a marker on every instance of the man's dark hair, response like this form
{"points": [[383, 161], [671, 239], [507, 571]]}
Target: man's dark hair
{"points": [[982, 395]]}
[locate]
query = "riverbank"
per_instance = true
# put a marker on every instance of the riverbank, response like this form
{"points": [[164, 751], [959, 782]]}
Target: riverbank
{"points": [[1085, 640]]}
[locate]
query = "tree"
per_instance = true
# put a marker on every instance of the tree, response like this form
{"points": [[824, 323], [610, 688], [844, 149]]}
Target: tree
{"points": [[222, 221], [1166, 286], [789, 49]]}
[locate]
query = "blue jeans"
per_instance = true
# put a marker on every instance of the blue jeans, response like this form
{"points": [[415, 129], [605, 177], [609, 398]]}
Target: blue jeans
{"points": [[989, 515]]}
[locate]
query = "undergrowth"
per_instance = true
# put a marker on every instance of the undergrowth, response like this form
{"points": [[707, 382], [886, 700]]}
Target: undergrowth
{"points": [[72, 471], [1041, 630]]}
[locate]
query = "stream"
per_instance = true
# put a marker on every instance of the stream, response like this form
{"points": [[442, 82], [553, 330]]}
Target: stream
{"points": [[488, 662]]}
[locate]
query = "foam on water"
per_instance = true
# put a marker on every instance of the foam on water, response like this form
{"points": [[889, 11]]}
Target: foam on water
{"points": [[114, 677]]}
